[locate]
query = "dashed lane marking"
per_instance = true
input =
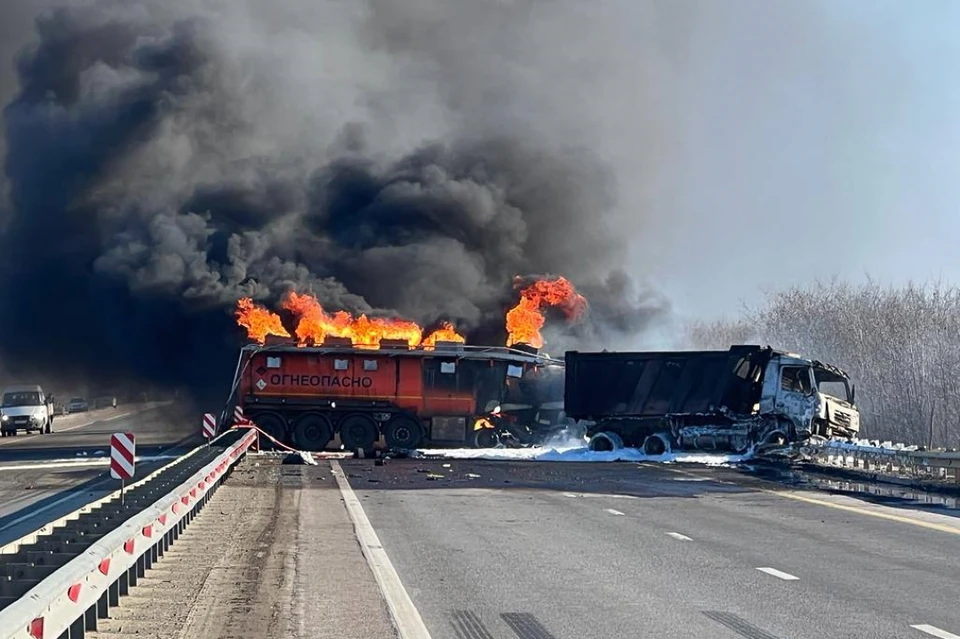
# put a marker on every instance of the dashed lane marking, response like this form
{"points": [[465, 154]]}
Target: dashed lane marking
{"points": [[677, 535], [406, 617], [933, 631], [110, 419], [779, 574], [612, 511]]}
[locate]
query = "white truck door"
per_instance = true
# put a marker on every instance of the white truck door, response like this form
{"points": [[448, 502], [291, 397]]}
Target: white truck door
{"points": [[796, 397]]}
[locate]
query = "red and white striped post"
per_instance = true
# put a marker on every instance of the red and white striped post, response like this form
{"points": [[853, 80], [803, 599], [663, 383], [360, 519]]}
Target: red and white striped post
{"points": [[209, 426], [238, 415], [123, 455]]}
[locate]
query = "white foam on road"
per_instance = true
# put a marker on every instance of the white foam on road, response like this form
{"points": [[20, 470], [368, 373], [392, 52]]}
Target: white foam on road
{"points": [[677, 535], [933, 631], [779, 574], [578, 454]]}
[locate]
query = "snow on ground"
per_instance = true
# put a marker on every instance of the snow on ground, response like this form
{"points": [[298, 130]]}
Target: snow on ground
{"points": [[579, 454]]}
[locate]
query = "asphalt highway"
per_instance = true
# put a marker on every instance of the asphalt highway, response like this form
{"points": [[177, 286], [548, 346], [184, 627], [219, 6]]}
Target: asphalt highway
{"points": [[45, 476], [578, 551]]}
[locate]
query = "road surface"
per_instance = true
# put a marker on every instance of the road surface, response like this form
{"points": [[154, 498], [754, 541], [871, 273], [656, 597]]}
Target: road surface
{"points": [[507, 550], [44, 476]]}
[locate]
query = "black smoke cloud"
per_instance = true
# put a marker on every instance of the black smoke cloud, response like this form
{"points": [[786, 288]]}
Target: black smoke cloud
{"points": [[146, 194]]}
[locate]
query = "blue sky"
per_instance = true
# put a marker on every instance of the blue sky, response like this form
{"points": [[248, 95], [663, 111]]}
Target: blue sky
{"points": [[813, 139]]}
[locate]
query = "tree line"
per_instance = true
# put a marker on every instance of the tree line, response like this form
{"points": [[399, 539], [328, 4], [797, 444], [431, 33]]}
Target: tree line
{"points": [[900, 345]]}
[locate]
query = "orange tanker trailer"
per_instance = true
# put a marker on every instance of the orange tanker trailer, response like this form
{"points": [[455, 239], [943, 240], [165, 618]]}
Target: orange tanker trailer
{"points": [[442, 393]]}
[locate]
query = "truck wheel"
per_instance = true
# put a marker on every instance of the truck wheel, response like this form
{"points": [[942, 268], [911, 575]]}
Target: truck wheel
{"points": [[358, 431], [273, 425], [312, 432], [403, 432], [654, 445], [484, 438]]}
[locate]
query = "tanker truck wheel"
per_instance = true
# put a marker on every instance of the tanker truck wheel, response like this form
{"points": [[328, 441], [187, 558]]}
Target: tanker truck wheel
{"points": [[312, 432], [358, 431], [484, 438], [402, 433], [273, 425]]}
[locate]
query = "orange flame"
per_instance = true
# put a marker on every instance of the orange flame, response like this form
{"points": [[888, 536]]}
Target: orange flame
{"points": [[525, 320], [314, 325], [445, 333], [258, 321]]}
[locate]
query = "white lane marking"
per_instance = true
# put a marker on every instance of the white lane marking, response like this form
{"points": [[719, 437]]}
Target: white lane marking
{"points": [[36, 511], [933, 631], [600, 495], [677, 535], [63, 430], [778, 573], [110, 419], [69, 463], [405, 615], [612, 511]]}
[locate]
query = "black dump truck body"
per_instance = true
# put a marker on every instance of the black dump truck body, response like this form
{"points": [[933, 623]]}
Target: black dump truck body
{"points": [[599, 386]]}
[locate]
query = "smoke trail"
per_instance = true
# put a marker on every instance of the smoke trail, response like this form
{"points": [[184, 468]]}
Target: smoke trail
{"points": [[164, 159]]}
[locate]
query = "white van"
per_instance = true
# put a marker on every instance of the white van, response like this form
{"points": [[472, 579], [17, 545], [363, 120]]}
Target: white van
{"points": [[25, 407]]}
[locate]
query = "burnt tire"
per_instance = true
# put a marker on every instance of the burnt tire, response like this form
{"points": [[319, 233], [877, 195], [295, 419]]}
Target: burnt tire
{"points": [[403, 433], [358, 431], [654, 446], [273, 425], [312, 432], [484, 438]]}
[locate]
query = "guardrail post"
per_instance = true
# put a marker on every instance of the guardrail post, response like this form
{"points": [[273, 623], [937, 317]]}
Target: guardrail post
{"points": [[103, 605], [90, 617], [113, 593], [76, 629]]}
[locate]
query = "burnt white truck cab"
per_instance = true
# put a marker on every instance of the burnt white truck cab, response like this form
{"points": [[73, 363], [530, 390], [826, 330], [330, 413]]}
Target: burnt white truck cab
{"points": [[815, 398], [25, 407]]}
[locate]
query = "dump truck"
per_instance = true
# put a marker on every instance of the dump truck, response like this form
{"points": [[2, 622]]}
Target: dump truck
{"points": [[747, 397], [447, 395]]}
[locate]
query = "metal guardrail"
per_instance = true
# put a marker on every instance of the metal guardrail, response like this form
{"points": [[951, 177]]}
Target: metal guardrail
{"points": [[889, 459], [71, 583]]}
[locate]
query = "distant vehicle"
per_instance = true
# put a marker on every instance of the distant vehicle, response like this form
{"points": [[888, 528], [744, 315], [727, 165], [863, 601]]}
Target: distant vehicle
{"points": [[105, 402], [25, 407], [77, 405]]}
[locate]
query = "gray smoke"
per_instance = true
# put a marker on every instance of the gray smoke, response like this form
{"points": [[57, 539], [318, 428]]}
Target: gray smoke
{"points": [[165, 158]]}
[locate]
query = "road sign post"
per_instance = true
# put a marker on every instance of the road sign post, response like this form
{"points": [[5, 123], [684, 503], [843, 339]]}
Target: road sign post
{"points": [[209, 426], [123, 457]]}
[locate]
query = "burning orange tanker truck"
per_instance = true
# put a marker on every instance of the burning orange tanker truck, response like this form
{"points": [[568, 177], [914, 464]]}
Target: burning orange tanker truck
{"points": [[363, 379]]}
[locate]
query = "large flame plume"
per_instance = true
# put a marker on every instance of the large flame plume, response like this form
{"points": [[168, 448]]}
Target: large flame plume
{"points": [[258, 321], [525, 320], [314, 325]]}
